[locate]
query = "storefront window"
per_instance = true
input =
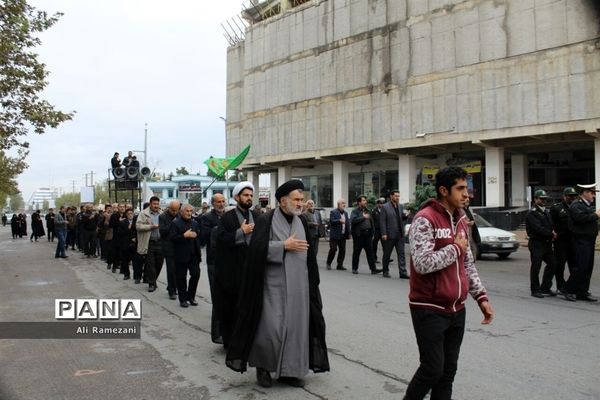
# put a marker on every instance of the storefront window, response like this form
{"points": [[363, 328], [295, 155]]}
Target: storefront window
{"points": [[318, 188], [377, 184]]}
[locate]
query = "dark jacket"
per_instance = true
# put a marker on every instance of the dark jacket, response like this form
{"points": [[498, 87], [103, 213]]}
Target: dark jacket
{"points": [[50, 221], [115, 163], [126, 236], [441, 274], [376, 214], [89, 221], [539, 224], [335, 232], [209, 223], [185, 250], [251, 300], [391, 223], [583, 221], [475, 236], [560, 217], [60, 222], [312, 219], [164, 228], [359, 223]]}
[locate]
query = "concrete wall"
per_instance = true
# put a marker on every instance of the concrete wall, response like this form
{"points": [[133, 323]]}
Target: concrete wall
{"points": [[336, 76]]}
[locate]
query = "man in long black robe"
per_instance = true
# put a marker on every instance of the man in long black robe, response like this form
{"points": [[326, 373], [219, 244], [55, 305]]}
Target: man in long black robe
{"points": [[279, 322], [233, 236]]}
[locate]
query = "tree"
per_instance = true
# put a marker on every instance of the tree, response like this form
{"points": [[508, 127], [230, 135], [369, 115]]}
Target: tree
{"points": [[422, 194], [16, 202], [68, 199], [181, 171], [45, 205], [22, 80], [196, 200]]}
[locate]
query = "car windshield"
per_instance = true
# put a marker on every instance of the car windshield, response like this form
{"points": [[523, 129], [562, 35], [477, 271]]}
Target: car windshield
{"points": [[482, 222]]}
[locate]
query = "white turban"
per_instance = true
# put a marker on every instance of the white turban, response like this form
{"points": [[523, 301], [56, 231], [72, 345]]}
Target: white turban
{"points": [[241, 186]]}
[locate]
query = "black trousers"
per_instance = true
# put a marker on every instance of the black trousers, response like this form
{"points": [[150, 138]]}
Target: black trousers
{"points": [[71, 238], [375, 243], [215, 329], [581, 272], [116, 254], [50, 234], [314, 243], [154, 262], [388, 246], [541, 250], [138, 262], [171, 275], [562, 256], [108, 251], [360, 242], [333, 247], [89, 242], [186, 290], [439, 336], [126, 256]]}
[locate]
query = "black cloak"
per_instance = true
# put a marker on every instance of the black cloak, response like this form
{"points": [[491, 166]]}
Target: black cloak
{"points": [[251, 299]]}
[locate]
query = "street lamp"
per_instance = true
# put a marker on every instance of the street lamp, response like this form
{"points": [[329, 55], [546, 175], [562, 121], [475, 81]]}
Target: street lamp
{"points": [[145, 151]]}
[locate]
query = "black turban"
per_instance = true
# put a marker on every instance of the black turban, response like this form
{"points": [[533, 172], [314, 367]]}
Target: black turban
{"points": [[288, 187]]}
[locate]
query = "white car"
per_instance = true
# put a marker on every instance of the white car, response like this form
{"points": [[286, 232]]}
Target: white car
{"points": [[493, 240]]}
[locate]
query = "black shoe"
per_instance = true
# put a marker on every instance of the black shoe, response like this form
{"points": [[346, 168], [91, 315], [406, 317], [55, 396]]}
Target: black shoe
{"points": [[193, 302], [341, 268], [136, 281], [570, 297], [108, 266], [151, 288], [377, 262], [114, 270], [184, 304], [329, 266], [587, 297], [126, 277], [404, 276], [549, 293], [172, 296], [287, 380], [64, 256], [355, 272], [538, 295], [386, 275], [376, 271], [391, 260], [56, 256], [263, 377]]}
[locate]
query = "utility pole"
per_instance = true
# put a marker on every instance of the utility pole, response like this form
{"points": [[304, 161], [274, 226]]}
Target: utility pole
{"points": [[73, 181], [145, 190], [92, 179]]}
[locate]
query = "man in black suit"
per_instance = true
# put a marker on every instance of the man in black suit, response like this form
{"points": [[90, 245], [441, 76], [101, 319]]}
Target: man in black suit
{"points": [[391, 224], [184, 233], [127, 242], [540, 230], [164, 227], [209, 224], [233, 237]]}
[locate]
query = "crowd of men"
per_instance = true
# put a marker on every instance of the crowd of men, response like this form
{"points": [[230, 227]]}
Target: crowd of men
{"points": [[563, 234], [264, 278]]}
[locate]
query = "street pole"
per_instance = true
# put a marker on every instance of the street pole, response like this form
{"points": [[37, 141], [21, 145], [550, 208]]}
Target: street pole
{"points": [[145, 189]]}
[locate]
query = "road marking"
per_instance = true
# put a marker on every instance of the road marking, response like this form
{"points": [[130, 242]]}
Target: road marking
{"points": [[83, 372]]}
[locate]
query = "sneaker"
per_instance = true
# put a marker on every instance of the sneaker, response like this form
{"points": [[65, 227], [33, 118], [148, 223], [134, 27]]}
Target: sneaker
{"points": [[263, 377]]}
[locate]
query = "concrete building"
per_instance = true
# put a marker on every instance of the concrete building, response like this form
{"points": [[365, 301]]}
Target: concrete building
{"points": [[182, 187], [41, 195], [362, 96]]}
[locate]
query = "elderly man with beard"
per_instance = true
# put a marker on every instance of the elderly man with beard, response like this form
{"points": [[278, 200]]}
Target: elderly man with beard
{"points": [[164, 226], [233, 236], [149, 243], [209, 223], [280, 327]]}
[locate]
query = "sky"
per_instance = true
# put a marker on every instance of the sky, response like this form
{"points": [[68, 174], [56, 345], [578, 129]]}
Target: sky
{"points": [[120, 64]]}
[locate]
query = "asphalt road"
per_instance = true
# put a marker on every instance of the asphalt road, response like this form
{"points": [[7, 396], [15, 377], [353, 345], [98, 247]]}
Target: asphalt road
{"points": [[535, 349]]}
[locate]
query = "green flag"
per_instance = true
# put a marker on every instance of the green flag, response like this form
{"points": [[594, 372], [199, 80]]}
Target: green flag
{"points": [[219, 166]]}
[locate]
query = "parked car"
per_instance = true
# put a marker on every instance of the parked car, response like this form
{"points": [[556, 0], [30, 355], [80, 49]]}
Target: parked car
{"points": [[493, 240]]}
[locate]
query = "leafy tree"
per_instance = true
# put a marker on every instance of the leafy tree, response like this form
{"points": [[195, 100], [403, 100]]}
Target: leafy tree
{"points": [[16, 201], [45, 205], [195, 200], [422, 194], [181, 171], [68, 199], [22, 80]]}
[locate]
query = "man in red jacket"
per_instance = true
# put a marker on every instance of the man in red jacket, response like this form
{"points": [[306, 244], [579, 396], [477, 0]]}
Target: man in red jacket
{"points": [[442, 273]]}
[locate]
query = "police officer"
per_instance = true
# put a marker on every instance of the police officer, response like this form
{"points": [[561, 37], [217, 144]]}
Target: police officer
{"points": [[541, 234], [583, 225], [562, 244]]}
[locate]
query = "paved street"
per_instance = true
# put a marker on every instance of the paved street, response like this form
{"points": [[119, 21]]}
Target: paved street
{"points": [[535, 349]]}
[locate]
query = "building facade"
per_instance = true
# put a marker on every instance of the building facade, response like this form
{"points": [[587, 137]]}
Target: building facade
{"points": [[364, 96], [182, 187], [42, 195]]}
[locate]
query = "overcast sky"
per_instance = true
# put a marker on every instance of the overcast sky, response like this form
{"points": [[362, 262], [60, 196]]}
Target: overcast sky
{"points": [[120, 64]]}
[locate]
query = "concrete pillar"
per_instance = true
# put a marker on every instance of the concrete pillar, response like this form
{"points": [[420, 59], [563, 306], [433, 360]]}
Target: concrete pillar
{"points": [[340, 181], [272, 188], [165, 193], [284, 174], [596, 161], [494, 177], [407, 177], [253, 178], [519, 180]]}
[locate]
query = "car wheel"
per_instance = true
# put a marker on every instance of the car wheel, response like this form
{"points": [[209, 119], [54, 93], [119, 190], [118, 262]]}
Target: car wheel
{"points": [[503, 256], [476, 253]]}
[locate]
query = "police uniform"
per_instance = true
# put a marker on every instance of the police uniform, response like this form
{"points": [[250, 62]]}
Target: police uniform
{"points": [[541, 233], [562, 244], [583, 225]]}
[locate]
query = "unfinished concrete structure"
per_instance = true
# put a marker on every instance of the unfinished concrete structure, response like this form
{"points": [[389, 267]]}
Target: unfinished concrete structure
{"points": [[362, 96]]}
